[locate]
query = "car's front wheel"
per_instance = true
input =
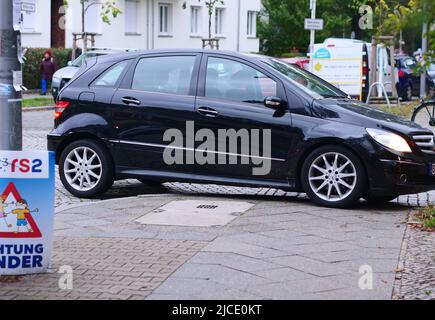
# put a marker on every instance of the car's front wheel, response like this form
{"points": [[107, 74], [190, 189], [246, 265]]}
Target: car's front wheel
{"points": [[333, 176], [86, 169]]}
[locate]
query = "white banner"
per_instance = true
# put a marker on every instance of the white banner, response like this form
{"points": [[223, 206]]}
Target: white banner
{"points": [[26, 212]]}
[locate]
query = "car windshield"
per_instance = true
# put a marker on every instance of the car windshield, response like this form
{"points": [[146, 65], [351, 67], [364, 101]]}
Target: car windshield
{"points": [[79, 61], [311, 84]]}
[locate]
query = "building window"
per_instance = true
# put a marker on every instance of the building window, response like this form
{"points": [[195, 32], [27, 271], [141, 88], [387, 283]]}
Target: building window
{"points": [[252, 24], [29, 21], [131, 12], [164, 18], [195, 14], [219, 21]]}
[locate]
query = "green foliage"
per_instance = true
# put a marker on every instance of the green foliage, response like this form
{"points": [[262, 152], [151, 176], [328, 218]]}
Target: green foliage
{"points": [[31, 68], [38, 102], [427, 217], [108, 8], [281, 23]]}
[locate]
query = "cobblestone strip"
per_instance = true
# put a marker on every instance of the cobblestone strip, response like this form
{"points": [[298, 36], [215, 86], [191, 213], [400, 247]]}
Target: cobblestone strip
{"points": [[105, 268], [415, 278]]}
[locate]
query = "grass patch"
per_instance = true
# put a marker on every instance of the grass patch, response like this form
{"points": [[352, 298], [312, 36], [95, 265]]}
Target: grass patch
{"points": [[38, 102], [427, 218], [405, 110]]}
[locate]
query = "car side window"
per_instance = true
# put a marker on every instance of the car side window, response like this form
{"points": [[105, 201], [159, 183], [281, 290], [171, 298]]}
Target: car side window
{"points": [[231, 80], [111, 76], [164, 74]]}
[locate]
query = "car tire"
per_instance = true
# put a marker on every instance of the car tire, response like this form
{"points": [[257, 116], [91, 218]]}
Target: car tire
{"points": [[379, 199], [332, 176], [86, 169]]}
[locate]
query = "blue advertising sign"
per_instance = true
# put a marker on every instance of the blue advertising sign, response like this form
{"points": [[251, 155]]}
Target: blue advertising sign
{"points": [[26, 211]]}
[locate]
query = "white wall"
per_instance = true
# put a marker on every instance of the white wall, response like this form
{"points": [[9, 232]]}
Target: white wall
{"points": [[37, 26], [147, 17]]}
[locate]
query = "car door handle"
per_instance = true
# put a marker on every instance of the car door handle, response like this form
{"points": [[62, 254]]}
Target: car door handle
{"points": [[208, 112], [130, 100]]}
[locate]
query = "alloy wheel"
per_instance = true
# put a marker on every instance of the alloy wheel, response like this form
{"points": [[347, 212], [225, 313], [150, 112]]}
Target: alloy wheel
{"points": [[332, 176], [83, 168]]}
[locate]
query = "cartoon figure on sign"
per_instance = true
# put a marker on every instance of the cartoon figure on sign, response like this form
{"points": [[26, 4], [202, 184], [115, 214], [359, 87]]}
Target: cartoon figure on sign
{"points": [[3, 206], [22, 210]]}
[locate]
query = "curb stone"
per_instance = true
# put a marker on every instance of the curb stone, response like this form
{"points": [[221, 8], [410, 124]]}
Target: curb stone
{"points": [[34, 109]]}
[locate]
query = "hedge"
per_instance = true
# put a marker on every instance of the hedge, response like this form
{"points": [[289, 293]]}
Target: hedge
{"points": [[31, 67]]}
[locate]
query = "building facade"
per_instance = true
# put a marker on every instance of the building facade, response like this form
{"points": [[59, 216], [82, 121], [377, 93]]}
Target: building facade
{"points": [[144, 24]]}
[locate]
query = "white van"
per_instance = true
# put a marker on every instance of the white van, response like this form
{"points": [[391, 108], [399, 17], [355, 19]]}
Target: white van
{"points": [[346, 64]]}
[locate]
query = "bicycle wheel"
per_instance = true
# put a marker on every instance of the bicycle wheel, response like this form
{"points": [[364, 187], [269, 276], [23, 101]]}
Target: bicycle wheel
{"points": [[424, 115]]}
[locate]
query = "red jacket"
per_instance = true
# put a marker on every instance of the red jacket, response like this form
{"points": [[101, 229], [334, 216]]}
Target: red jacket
{"points": [[48, 68]]}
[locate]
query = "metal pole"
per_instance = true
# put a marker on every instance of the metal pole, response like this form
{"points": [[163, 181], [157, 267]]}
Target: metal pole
{"points": [[423, 52], [10, 68], [313, 5]]}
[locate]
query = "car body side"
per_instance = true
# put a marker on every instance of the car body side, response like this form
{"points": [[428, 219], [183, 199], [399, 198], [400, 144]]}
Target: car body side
{"points": [[311, 123]]}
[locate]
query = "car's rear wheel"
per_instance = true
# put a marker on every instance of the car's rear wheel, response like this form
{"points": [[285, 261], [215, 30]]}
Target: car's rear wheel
{"points": [[86, 169], [333, 176]]}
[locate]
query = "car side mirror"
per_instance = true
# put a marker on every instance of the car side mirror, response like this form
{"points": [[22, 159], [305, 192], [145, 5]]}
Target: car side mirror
{"points": [[274, 103], [69, 63]]}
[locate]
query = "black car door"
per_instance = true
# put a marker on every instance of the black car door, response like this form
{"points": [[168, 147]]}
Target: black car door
{"points": [[156, 96], [251, 140]]}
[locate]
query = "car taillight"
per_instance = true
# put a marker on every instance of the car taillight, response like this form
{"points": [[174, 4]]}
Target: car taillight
{"points": [[60, 107], [401, 73]]}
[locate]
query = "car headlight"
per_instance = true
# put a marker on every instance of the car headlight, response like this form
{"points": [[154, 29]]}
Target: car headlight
{"points": [[390, 140]]}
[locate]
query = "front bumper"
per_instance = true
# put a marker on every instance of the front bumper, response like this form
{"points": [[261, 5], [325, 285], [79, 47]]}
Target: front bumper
{"points": [[401, 176]]}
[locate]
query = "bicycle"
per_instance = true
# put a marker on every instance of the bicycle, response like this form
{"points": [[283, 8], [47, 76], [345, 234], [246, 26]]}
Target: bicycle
{"points": [[424, 114]]}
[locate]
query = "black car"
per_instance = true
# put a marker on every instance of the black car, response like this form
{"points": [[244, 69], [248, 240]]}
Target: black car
{"points": [[409, 81], [219, 117]]}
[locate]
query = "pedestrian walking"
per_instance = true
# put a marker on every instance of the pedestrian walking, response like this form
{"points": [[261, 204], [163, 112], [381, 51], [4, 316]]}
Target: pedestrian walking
{"points": [[48, 68]]}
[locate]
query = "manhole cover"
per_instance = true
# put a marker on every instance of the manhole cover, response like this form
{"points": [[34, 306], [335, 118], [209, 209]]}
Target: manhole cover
{"points": [[196, 213]]}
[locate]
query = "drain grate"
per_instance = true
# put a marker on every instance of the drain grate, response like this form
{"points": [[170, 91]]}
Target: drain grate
{"points": [[207, 206]]}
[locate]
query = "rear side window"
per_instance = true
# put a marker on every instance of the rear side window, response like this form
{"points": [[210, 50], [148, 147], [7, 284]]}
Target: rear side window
{"points": [[111, 76], [164, 74]]}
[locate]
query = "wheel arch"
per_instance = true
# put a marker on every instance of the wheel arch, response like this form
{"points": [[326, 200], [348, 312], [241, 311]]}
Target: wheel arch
{"points": [[73, 137]]}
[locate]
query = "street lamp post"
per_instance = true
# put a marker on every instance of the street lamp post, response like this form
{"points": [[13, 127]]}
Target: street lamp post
{"points": [[313, 5], [10, 78]]}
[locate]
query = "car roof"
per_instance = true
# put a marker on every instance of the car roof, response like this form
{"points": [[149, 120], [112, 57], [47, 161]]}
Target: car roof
{"points": [[135, 54]]}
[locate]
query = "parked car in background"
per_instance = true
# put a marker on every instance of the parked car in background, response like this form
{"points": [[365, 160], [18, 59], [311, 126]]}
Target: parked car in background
{"points": [[301, 62], [409, 80], [64, 75], [431, 79], [113, 117]]}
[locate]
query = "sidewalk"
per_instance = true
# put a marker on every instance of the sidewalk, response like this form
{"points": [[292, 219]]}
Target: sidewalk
{"points": [[273, 248]]}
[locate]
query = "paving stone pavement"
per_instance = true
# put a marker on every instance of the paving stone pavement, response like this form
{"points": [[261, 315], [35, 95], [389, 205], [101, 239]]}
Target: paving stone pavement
{"points": [[104, 268], [417, 264], [283, 248]]}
